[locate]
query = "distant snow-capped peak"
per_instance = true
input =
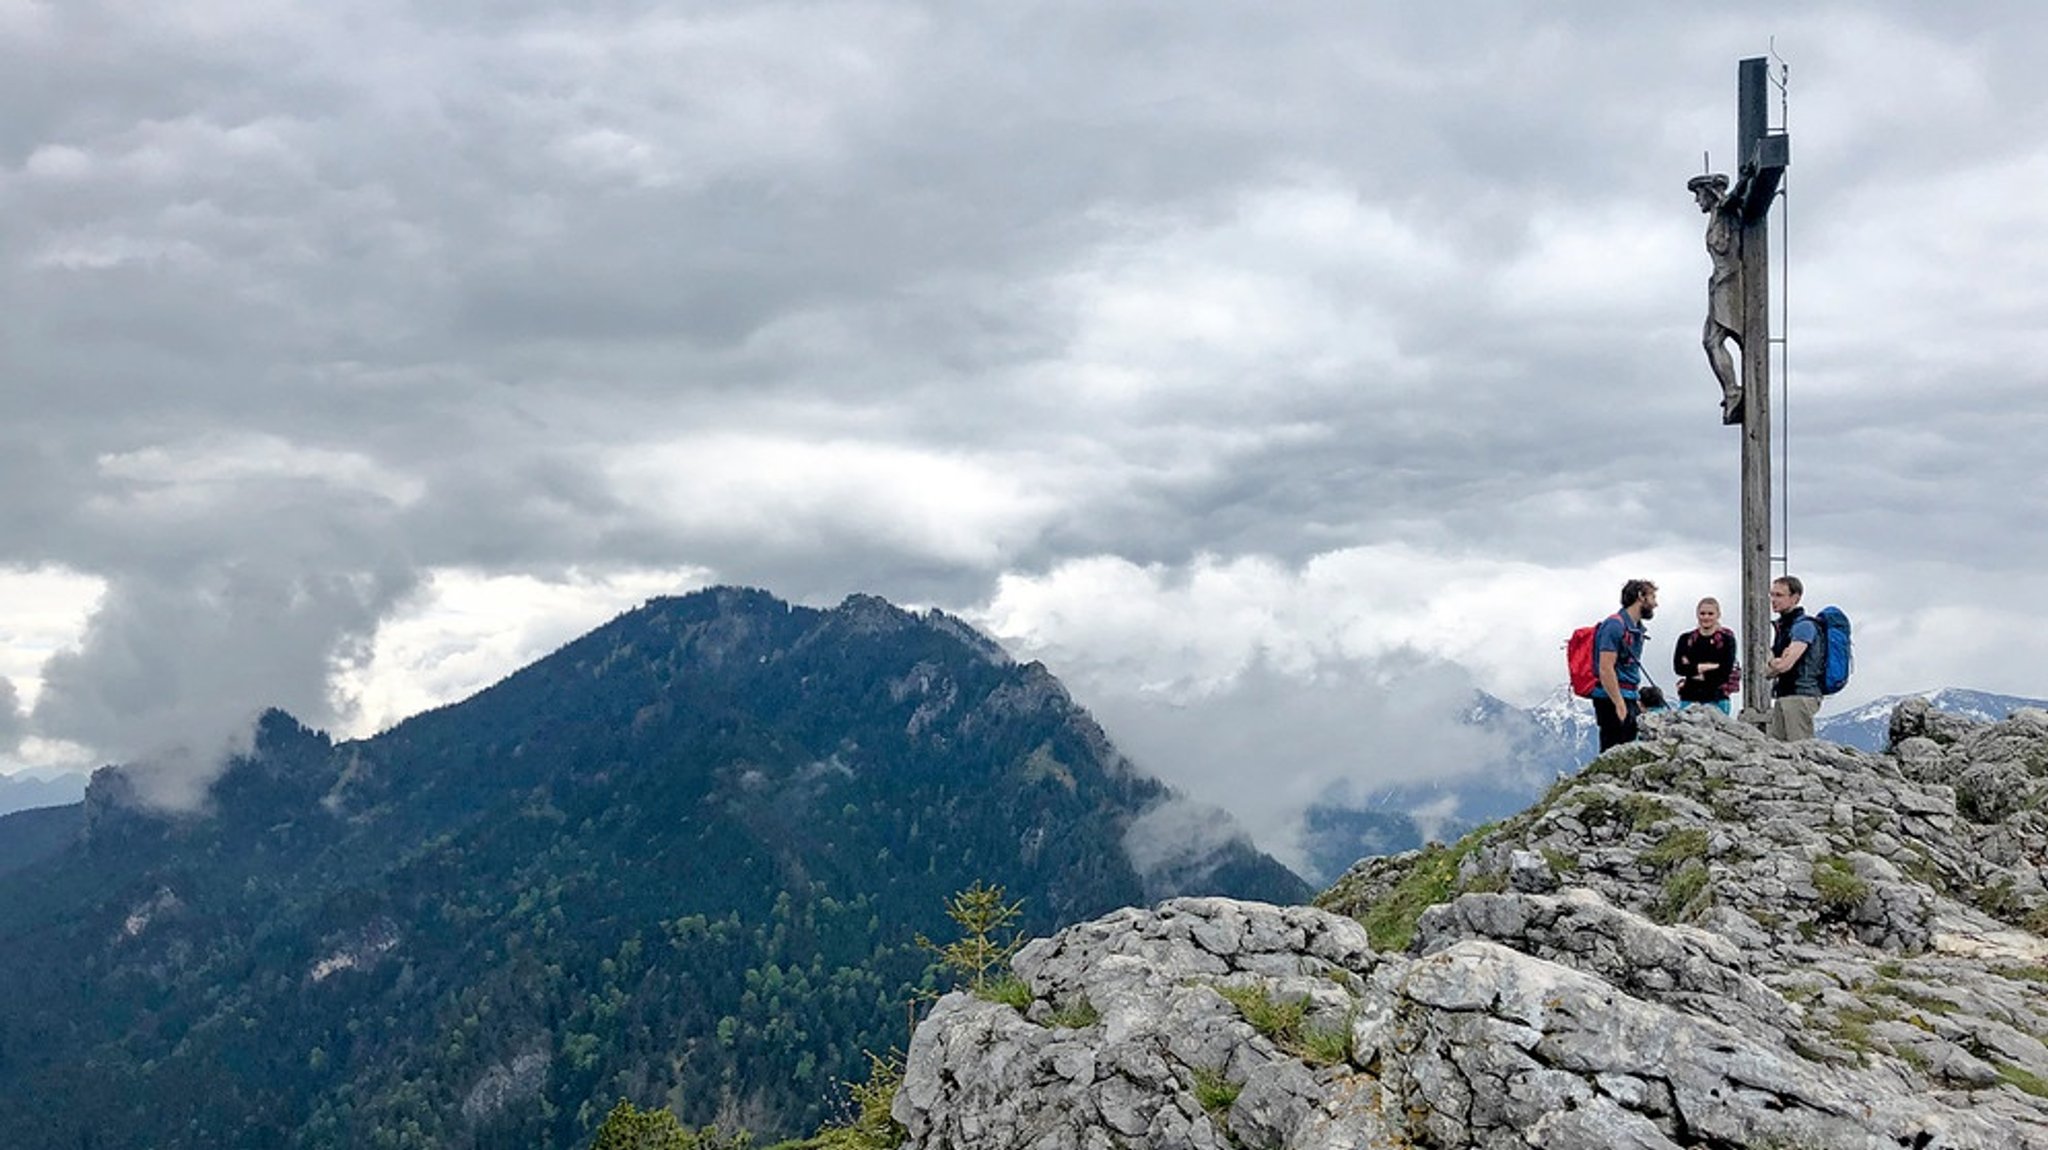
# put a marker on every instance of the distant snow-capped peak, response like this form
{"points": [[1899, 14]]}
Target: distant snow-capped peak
{"points": [[1563, 712]]}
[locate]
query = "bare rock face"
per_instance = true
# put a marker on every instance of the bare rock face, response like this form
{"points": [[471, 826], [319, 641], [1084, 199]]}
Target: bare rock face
{"points": [[1704, 940]]}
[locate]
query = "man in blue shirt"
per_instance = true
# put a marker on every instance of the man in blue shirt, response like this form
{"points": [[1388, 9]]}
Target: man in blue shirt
{"points": [[1795, 665], [1618, 660]]}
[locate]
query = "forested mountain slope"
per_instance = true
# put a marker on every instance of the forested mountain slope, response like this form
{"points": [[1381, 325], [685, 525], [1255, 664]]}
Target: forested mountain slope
{"points": [[683, 860]]}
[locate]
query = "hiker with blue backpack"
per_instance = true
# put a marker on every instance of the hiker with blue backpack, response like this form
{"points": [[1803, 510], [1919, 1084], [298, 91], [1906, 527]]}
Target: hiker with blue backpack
{"points": [[1810, 658]]}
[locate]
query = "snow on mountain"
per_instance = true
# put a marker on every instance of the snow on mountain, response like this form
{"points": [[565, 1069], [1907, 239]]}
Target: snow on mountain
{"points": [[1867, 727]]}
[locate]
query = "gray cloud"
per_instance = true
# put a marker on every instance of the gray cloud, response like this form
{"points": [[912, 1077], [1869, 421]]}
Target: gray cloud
{"points": [[1269, 741], [12, 721], [305, 307]]}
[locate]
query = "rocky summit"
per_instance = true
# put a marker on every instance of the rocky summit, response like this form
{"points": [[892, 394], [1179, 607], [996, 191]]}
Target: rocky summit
{"points": [[1704, 939]]}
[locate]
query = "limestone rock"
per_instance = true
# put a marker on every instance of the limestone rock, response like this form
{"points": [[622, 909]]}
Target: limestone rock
{"points": [[1704, 940]]}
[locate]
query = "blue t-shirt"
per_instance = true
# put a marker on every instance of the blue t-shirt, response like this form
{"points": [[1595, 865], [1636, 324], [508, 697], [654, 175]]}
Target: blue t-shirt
{"points": [[1623, 636], [1803, 677], [1804, 630]]}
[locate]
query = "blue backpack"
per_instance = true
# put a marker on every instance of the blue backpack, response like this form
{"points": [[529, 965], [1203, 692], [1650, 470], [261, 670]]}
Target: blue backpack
{"points": [[1837, 657]]}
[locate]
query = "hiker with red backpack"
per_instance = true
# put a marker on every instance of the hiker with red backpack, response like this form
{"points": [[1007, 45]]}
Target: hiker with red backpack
{"points": [[1618, 663]]}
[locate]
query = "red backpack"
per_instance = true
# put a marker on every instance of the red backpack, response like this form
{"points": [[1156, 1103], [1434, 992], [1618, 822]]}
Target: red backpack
{"points": [[1578, 659]]}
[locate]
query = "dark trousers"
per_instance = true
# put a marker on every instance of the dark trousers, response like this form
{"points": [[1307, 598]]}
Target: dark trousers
{"points": [[1617, 726]]}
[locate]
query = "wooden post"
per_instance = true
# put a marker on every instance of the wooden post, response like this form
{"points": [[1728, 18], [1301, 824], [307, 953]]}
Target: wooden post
{"points": [[1756, 470], [1764, 157]]}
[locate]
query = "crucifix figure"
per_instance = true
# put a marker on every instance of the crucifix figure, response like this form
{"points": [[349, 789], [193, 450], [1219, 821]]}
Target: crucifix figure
{"points": [[1739, 312], [1724, 287]]}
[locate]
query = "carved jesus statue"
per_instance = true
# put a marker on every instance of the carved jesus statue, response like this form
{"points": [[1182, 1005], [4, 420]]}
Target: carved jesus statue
{"points": [[1724, 288]]}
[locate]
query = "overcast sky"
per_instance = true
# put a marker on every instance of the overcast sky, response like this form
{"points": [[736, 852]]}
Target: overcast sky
{"points": [[1275, 373]]}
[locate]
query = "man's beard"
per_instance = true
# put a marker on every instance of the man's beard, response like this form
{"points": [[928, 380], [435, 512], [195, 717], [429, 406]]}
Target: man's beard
{"points": [[1649, 612]]}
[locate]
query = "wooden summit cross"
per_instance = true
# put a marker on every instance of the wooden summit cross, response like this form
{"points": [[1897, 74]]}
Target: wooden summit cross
{"points": [[1739, 310]]}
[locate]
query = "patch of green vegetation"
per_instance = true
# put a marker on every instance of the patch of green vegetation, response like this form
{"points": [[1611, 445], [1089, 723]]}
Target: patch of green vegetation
{"points": [[1278, 1021], [1852, 1027], [627, 1127], [1487, 883], [1645, 811], [1620, 761], [1431, 879], [1327, 1045], [1214, 1093], [1561, 864], [1556, 792], [1285, 1025], [1597, 810], [1926, 1002], [1679, 846], [1841, 891], [2029, 973], [1076, 1015], [1681, 887], [1922, 868], [1007, 989], [1633, 809], [1890, 969], [2022, 1078], [2001, 901]]}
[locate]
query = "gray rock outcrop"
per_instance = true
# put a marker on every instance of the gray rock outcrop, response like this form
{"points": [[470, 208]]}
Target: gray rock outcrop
{"points": [[1703, 940]]}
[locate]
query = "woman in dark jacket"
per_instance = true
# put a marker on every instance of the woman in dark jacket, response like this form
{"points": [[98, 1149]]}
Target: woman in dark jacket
{"points": [[1705, 661]]}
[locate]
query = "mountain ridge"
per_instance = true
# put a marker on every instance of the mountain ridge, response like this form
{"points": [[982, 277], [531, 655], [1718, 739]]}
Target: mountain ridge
{"points": [[687, 855]]}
